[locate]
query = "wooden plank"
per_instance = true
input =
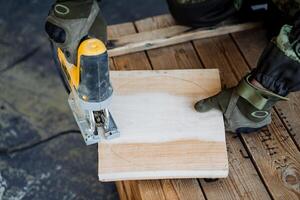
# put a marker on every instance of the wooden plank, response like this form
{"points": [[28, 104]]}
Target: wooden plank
{"points": [[121, 190], [243, 181], [289, 114], [180, 56], [188, 189], [177, 189], [251, 44], [142, 188], [169, 190], [273, 152], [169, 36], [155, 115], [151, 190], [132, 61]]}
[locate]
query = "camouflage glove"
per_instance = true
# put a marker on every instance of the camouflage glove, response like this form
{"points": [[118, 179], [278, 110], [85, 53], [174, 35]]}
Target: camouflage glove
{"points": [[247, 107], [202, 13], [71, 21], [281, 74], [294, 36]]}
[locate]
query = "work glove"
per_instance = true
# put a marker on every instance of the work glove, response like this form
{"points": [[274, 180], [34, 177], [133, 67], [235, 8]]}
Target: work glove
{"points": [[202, 13], [247, 107], [294, 36], [69, 22]]}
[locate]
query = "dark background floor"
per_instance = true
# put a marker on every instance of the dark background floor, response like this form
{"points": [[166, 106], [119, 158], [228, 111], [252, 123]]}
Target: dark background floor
{"points": [[33, 106]]}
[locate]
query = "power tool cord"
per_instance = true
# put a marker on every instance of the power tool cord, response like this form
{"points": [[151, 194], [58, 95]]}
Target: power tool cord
{"points": [[7, 151], [21, 59], [21, 148]]}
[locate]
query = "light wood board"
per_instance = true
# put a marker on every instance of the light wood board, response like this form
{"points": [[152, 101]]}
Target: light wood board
{"points": [[162, 136]]}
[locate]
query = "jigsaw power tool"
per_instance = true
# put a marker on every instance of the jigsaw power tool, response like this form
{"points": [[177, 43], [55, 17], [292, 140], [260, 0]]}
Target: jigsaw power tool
{"points": [[90, 90]]}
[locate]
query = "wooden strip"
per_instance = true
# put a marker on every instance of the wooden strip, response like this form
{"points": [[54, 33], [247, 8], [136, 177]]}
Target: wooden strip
{"points": [[162, 33], [289, 114], [151, 190], [169, 190], [187, 189], [184, 32], [243, 180], [121, 190], [252, 43], [128, 191], [170, 36], [134, 189], [272, 150]]}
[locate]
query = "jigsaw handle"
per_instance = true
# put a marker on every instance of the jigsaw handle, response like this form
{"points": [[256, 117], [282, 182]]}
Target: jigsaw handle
{"points": [[92, 60]]}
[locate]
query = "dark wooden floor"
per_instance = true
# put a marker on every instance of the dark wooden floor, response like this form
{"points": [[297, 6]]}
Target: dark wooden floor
{"points": [[263, 165]]}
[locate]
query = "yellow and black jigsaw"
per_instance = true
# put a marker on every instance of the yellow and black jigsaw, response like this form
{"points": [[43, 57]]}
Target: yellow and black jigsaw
{"points": [[76, 30], [90, 90]]}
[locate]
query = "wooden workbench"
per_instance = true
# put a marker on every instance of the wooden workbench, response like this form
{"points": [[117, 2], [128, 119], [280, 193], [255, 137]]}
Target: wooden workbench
{"points": [[264, 165]]}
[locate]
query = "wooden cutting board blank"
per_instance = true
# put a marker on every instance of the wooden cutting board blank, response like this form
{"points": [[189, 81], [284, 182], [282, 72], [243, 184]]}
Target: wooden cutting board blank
{"points": [[162, 136]]}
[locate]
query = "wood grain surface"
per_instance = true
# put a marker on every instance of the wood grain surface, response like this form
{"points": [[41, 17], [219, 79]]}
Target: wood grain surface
{"points": [[275, 149], [243, 181], [162, 136], [263, 165]]}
